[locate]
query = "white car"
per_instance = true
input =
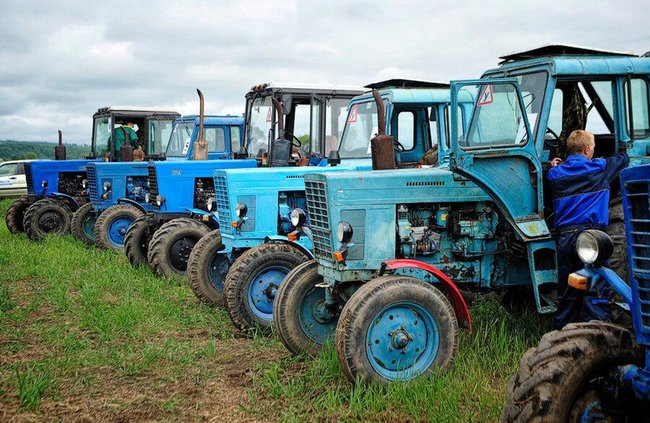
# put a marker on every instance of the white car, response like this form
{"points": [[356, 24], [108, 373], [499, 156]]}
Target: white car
{"points": [[12, 178]]}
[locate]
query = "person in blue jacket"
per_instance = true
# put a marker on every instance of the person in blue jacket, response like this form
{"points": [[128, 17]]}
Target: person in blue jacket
{"points": [[580, 191]]}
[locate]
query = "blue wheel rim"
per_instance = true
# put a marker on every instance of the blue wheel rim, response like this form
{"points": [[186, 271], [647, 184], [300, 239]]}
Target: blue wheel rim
{"points": [[262, 289], [89, 226], [319, 331], [219, 265], [402, 341], [117, 230]]}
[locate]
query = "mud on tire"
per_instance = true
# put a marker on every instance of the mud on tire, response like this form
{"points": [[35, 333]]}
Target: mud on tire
{"points": [[172, 244], [138, 236], [47, 216], [109, 217], [553, 377], [253, 280], [16, 213], [207, 269], [83, 218]]}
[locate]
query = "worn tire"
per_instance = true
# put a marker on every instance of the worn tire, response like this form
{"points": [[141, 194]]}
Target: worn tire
{"points": [[421, 310], [47, 216], [104, 236], [16, 213], [265, 266], [83, 219], [552, 378], [207, 269], [138, 236], [181, 233], [298, 289]]}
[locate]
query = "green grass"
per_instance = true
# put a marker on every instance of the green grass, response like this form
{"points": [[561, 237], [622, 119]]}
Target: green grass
{"points": [[81, 329]]}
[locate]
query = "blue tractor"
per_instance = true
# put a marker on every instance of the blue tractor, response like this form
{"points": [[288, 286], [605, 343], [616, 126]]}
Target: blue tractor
{"points": [[596, 371], [56, 188], [171, 244], [261, 238], [396, 251]]}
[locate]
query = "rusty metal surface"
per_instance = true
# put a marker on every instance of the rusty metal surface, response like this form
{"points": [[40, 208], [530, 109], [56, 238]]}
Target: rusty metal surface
{"points": [[200, 146]]}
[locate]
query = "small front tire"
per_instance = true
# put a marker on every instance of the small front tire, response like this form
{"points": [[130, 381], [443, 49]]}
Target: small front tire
{"points": [[171, 245], [83, 224], [112, 224], [47, 216]]}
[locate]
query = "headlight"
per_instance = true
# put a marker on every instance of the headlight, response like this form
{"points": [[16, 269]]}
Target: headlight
{"points": [[84, 184], [147, 198], [594, 246], [298, 217], [344, 232], [241, 210], [44, 183], [107, 186], [160, 200], [210, 204]]}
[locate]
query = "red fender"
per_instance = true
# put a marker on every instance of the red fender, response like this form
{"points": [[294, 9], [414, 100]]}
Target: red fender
{"points": [[457, 300]]}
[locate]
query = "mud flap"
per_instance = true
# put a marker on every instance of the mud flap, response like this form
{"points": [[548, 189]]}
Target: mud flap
{"points": [[542, 259]]}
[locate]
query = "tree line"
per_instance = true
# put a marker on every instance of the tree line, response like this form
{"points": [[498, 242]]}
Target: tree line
{"points": [[26, 150]]}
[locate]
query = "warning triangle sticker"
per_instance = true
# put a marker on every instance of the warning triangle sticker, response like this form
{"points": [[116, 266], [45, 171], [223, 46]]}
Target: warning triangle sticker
{"points": [[354, 114], [486, 97], [269, 118]]}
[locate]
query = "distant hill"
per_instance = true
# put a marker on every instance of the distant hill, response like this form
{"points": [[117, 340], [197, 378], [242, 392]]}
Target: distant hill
{"points": [[19, 150]]}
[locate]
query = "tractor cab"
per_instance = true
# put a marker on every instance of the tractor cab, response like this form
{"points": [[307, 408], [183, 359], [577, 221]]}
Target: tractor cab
{"points": [[223, 135], [153, 128]]}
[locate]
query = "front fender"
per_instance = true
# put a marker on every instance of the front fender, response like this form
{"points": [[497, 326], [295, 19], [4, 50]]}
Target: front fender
{"points": [[304, 247], [132, 203], [67, 199], [615, 281], [449, 287], [209, 218]]}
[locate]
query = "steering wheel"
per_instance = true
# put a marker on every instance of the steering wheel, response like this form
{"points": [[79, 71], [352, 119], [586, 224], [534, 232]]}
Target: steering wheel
{"points": [[398, 146], [556, 137]]}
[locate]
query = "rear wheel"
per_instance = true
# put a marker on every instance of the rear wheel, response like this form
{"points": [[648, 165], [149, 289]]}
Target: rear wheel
{"points": [[207, 268], [396, 328], [253, 281], [171, 245], [16, 213], [562, 380], [83, 224], [112, 224], [138, 236], [47, 216]]}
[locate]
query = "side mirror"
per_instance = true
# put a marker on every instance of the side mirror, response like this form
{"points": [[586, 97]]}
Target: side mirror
{"points": [[334, 158], [286, 103]]}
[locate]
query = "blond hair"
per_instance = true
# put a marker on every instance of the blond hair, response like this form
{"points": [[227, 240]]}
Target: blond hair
{"points": [[579, 140]]}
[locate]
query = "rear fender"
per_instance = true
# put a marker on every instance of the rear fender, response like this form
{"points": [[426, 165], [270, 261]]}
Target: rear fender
{"points": [[132, 203], [448, 286], [303, 244]]}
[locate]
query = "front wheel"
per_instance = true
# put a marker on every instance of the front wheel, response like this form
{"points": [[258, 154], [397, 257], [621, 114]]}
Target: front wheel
{"points": [[112, 224], [83, 224], [16, 213], [171, 245], [207, 268], [138, 236], [47, 216], [396, 328], [561, 380], [253, 281]]}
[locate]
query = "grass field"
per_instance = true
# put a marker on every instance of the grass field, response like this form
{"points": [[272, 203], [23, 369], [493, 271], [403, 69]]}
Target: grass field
{"points": [[84, 336]]}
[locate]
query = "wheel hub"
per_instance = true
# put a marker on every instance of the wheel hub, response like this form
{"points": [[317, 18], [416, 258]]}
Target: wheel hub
{"points": [[399, 339], [49, 221], [271, 291], [321, 312], [180, 253]]}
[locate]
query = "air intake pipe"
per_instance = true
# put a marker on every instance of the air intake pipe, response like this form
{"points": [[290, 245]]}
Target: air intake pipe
{"points": [[200, 146], [382, 146], [59, 150]]}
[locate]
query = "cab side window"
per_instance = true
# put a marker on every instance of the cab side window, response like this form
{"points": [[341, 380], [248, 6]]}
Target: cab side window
{"points": [[636, 92], [235, 138], [406, 129], [215, 138]]}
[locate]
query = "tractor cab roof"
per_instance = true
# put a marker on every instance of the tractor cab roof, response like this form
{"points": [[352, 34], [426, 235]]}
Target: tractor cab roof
{"points": [[409, 91], [132, 111], [211, 120], [303, 89]]}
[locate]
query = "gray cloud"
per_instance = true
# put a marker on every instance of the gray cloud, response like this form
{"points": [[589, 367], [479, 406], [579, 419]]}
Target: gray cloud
{"points": [[61, 60]]}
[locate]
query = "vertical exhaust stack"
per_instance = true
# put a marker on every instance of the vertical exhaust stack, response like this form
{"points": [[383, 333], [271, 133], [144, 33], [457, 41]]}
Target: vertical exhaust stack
{"points": [[59, 150], [281, 147], [382, 146], [200, 146]]}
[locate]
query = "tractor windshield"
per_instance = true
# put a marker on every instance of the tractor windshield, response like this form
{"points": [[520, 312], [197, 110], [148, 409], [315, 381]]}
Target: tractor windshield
{"points": [[180, 140], [260, 119], [101, 134], [360, 126], [159, 135]]}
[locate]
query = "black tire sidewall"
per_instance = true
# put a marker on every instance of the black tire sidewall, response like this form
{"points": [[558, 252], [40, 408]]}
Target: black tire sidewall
{"points": [[35, 211], [106, 218], [77, 223]]}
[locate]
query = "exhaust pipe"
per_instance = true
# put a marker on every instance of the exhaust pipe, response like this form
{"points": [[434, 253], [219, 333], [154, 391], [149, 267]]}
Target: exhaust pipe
{"points": [[59, 150], [200, 146], [382, 146]]}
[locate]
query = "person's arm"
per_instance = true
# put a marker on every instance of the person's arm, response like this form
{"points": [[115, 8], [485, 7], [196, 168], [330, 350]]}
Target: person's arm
{"points": [[133, 138], [614, 165]]}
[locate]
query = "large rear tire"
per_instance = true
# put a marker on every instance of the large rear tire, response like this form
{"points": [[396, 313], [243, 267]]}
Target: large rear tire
{"points": [[16, 213], [207, 269], [138, 237], [396, 328], [83, 224], [112, 224], [556, 381], [47, 216], [171, 245], [253, 281]]}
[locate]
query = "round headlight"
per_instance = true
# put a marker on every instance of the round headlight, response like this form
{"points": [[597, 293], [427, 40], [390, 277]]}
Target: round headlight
{"points": [[344, 232], [241, 210], [147, 198], [84, 184], [210, 204], [160, 200], [298, 217], [44, 183], [594, 246], [107, 186]]}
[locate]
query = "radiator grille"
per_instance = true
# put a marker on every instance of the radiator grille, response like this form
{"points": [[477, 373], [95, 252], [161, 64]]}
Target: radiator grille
{"points": [[153, 184], [29, 179], [320, 225], [223, 205], [91, 177]]}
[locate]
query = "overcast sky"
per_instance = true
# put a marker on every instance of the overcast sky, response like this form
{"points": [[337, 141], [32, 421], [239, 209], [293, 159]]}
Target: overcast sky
{"points": [[61, 60]]}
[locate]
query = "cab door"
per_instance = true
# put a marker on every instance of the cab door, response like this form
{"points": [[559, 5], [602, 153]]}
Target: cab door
{"points": [[498, 153]]}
